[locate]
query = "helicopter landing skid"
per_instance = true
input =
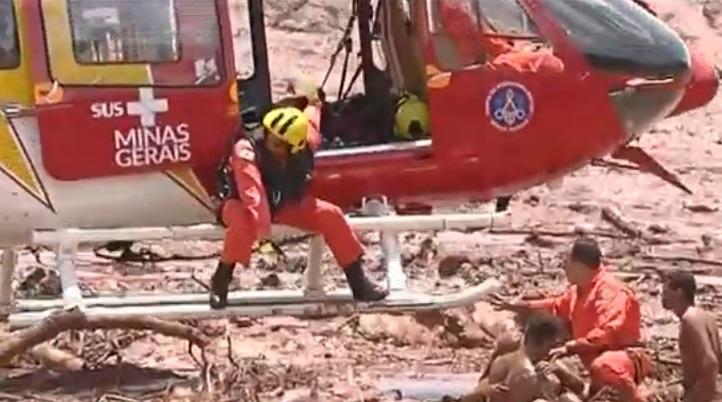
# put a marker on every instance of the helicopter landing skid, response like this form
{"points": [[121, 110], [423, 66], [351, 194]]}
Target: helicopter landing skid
{"points": [[311, 301]]}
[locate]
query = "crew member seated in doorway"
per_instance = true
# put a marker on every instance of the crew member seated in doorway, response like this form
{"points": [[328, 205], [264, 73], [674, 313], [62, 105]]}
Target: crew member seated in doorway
{"points": [[699, 343], [605, 323], [271, 176], [523, 375], [476, 44]]}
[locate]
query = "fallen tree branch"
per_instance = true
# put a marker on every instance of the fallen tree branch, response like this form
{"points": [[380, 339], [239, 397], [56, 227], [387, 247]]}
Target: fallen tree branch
{"points": [[616, 220], [65, 320], [553, 233], [669, 360], [596, 233], [691, 260]]}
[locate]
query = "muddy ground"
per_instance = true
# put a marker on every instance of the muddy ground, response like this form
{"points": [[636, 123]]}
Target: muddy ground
{"points": [[284, 359]]}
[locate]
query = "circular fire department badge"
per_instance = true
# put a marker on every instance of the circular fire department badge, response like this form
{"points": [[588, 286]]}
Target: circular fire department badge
{"points": [[509, 106]]}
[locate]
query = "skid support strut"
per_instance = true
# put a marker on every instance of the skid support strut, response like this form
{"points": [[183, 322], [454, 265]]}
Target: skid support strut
{"points": [[9, 260], [65, 254], [390, 243], [313, 278]]}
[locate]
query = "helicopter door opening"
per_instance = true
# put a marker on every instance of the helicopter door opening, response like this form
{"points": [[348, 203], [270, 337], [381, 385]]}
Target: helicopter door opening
{"points": [[144, 86], [505, 82], [354, 121]]}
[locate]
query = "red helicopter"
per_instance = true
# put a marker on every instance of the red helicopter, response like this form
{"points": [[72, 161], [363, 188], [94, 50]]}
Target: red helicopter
{"points": [[119, 113]]}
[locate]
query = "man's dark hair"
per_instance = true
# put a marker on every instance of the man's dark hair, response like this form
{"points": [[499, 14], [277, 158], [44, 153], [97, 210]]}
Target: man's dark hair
{"points": [[587, 251], [541, 327], [684, 281]]}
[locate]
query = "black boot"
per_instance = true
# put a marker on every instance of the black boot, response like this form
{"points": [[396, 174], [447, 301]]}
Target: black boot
{"points": [[361, 287], [220, 281]]}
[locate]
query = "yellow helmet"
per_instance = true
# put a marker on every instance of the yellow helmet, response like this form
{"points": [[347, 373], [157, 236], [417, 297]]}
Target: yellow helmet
{"points": [[412, 117], [290, 125]]}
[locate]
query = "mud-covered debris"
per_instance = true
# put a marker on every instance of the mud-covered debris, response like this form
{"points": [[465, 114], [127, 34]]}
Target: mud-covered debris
{"points": [[399, 329], [582, 208], [451, 264], [532, 200], [276, 323], [428, 249], [538, 240], [712, 11], [266, 262], [242, 322], [295, 264], [701, 208], [41, 282], [621, 250], [271, 281], [658, 228], [615, 218], [708, 240]]}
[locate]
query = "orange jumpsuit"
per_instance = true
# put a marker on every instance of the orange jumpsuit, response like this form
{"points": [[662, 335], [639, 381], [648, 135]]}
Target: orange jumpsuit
{"points": [[471, 42], [605, 320], [248, 218]]}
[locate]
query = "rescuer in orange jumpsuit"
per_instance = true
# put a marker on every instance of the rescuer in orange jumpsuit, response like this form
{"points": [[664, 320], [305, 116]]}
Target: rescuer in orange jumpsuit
{"points": [[270, 178], [473, 40], [605, 323]]}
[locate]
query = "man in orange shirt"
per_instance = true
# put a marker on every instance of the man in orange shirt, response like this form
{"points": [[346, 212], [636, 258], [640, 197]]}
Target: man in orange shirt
{"points": [[605, 323], [267, 182]]}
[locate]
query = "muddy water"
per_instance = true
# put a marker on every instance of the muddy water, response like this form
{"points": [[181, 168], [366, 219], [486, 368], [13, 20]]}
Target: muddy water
{"points": [[429, 387]]}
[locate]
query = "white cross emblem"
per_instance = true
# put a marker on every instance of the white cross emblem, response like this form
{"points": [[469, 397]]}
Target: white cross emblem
{"points": [[146, 107]]}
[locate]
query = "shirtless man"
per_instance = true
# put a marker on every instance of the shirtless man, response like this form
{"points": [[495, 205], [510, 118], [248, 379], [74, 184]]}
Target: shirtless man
{"points": [[699, 344], [521, 375]]}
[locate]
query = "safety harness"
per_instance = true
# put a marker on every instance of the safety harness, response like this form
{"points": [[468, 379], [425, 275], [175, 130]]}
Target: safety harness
{"points": [[284, 185]]}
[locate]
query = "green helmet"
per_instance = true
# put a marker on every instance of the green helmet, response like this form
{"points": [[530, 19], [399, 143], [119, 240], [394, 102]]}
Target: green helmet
{"points": [[412, 117]]}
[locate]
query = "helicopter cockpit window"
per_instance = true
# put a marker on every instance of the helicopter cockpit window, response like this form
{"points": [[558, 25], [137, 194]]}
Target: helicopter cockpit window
{"points": [[505, 17], [124, 31], [9, 49], [468, 32], [134, 42]]}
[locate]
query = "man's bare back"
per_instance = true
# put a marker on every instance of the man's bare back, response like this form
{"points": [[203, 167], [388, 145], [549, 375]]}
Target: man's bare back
{"points": [[520, 374], [699, 347], [521, 377]]}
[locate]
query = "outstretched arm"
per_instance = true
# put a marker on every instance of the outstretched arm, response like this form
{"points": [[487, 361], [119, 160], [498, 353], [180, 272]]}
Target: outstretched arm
{"points": [[560, 306]]}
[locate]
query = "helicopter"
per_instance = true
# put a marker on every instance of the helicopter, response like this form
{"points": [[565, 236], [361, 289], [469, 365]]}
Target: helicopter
{"points": [[117, 113]]}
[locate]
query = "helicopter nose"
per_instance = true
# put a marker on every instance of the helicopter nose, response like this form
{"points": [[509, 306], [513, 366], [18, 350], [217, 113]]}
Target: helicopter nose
{"points": [[642, 102], [703, 85]]}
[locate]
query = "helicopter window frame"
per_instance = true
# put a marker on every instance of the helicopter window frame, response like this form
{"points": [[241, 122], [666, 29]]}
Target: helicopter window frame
{"points": [[16, 50], [220, 51], [448, 49], [240, 43], [177, 50], [492, 30]]}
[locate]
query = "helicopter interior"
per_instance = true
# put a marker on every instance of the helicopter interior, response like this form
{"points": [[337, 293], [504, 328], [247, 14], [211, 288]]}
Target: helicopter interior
{"points": [[392, 65]]}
